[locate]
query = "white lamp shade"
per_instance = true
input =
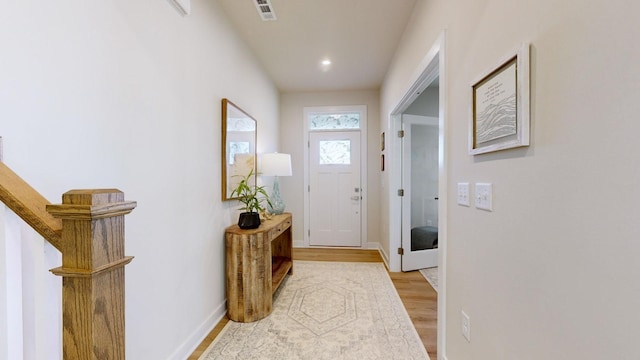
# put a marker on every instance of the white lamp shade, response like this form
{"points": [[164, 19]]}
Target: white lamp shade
{"points": [[276, 164]]}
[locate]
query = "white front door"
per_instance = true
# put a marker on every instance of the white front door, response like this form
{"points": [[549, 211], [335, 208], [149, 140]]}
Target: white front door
{"points": [[420, 200], [334, 188]]}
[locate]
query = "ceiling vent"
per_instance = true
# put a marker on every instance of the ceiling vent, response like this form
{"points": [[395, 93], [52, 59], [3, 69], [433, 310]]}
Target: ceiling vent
{"points": [[265, 9]]}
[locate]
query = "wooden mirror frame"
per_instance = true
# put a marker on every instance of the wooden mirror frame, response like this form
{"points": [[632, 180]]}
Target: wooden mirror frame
{"points": [[239, 134]]}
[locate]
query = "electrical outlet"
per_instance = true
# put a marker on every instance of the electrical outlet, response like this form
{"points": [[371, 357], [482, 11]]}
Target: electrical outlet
{"points": [[466, 326], [484, 196], [463, 194]]}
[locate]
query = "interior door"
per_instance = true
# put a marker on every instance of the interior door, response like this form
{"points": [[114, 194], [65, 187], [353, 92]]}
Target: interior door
{"points": [[334, 188], [420, 200]]}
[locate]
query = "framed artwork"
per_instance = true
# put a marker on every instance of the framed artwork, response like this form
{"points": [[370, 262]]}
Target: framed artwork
{"points": [[239, 134], [500, 105]]}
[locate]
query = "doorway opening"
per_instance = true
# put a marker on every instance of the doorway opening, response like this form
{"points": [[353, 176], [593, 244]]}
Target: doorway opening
{"points": [[431, 71]]}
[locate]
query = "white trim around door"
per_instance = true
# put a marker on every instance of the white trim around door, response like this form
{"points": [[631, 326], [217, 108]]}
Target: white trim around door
{"points": [[362, 109], [432, 65]]}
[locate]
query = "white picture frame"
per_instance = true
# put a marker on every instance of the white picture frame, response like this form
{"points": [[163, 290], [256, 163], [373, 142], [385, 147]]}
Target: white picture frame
{"points": [[500, 105]]}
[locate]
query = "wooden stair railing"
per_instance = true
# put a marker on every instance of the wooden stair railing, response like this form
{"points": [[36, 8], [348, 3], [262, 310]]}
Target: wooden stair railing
{"points": [[27, 203], [91, 241]]}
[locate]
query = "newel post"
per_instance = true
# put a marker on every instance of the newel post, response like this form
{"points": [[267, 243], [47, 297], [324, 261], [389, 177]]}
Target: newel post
{"points": [[92, 268]]}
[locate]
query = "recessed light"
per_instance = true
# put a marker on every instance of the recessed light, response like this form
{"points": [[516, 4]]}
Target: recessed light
{"points": [[326, 62]]}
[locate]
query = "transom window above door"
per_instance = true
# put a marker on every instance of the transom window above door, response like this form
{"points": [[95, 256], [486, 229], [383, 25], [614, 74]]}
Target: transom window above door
{"points": [[337, 121]]}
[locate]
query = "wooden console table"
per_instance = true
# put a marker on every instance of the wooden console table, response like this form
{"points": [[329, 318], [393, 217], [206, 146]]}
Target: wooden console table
{"points": [[257, 262]]}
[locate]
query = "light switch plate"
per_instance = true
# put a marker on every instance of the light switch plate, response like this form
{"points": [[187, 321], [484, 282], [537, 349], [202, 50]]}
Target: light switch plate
{"points": [[463, 194], [484, 196]]}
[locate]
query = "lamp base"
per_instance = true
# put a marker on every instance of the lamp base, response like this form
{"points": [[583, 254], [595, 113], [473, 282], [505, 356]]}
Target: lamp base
{"points": [[277, 204]]}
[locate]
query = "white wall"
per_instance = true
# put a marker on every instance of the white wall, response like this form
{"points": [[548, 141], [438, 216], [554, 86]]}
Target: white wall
{"points": [[127, 94], [292, 142], [426, 104], [551, 272]]}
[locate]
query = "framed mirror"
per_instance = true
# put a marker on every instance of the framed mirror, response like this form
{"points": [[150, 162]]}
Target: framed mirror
{"points": [[238, 147]]}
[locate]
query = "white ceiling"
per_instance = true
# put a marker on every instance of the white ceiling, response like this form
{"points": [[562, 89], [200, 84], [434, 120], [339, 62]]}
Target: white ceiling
{"points": [[359, 36]]}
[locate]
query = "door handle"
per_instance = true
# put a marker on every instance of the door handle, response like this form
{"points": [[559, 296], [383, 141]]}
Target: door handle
{"points": [[355, 197]]}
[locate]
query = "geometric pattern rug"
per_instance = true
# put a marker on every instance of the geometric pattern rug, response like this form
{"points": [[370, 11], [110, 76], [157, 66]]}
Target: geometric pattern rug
{"points": [[431, 274], [327, 310]]}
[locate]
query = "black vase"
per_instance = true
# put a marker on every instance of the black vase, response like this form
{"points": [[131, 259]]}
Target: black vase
{"points": [[249, 220]]}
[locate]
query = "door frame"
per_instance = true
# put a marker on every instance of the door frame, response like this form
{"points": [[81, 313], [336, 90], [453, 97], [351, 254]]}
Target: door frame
{"points": [[433, 64], [363, 167]]}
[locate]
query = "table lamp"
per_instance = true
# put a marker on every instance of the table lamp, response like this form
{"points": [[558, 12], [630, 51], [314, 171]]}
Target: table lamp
{"points": [[276, 164]]}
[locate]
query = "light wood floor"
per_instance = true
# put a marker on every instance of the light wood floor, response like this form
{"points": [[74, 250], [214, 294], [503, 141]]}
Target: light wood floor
{"points": [[419, 298]]}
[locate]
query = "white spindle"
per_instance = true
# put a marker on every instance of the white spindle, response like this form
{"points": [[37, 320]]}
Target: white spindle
{"points": [[30, 297], [12, 344]]}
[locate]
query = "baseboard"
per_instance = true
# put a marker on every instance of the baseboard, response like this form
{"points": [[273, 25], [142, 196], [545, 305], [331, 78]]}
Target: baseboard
{"points": [[191, 344], [385, 257], [372, 246], [368, 246]]}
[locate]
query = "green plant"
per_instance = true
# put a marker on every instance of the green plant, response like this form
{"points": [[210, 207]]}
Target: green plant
{"points": [[250, 195]]}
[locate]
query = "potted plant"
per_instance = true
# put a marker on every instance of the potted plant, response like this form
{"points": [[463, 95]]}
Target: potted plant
{"points": [[252, 197]]}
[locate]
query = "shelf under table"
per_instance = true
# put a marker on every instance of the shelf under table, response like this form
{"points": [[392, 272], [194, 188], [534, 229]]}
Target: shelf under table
{"points": [[280, 266]]}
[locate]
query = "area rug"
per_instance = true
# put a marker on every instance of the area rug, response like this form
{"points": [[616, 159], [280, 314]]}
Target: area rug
{"points": [[431, 274], [327, 310]]}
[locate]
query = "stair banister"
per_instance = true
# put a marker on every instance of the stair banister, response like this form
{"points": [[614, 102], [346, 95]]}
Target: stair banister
{"points": [[92, 272], [27, 203], [88, 229]]}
